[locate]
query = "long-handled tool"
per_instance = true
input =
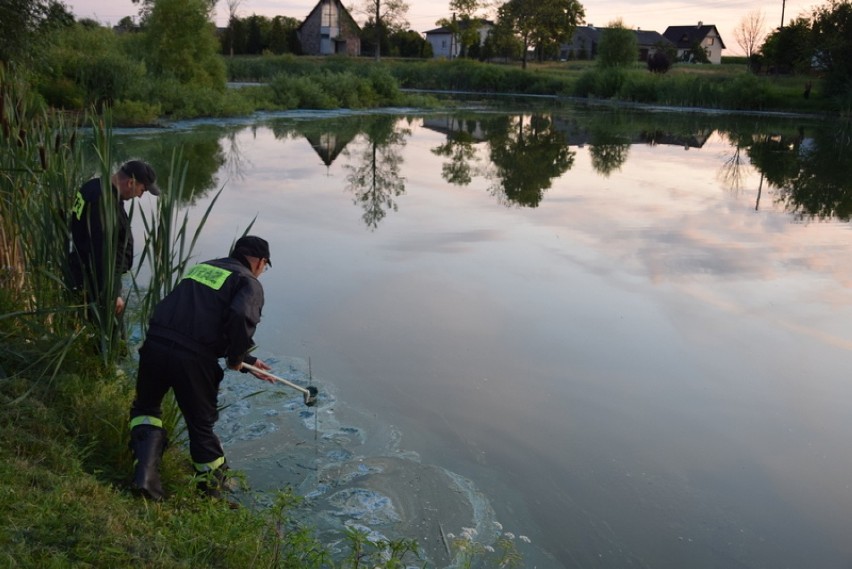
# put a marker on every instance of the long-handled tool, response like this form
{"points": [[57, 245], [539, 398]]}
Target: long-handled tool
{"points": [[310, 392]]}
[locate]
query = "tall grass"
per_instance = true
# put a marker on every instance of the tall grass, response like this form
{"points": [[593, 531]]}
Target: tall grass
{"points": [[39, 160], [686, 88]]}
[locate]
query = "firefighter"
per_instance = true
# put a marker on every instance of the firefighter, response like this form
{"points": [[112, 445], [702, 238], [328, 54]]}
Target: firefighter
{"points": [[212, 313]]}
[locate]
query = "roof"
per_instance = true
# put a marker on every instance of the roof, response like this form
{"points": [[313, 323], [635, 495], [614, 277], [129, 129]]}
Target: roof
{"points": [[343, 11], [643, 37], [685, 36], [648, 37]]}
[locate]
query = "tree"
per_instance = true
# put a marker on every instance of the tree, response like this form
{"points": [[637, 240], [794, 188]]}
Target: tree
{"points": [[832, 40], [409, 43], [501, 43], [235, 38], [181, 43], [537, 22], [233, 7], [371, 34], [617, 47], [790, 48], [749, 34], [258, 32], [25, 27], [386, 15], [282, 35]]}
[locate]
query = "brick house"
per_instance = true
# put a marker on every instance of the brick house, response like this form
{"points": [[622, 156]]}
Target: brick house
{"points": [[329, 29]]}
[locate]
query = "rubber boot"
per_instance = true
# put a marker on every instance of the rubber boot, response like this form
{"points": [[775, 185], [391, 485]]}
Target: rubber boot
{"points": [[148, 443], [217, 484]]}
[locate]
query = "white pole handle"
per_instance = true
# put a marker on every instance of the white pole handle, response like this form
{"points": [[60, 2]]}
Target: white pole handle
{"points": [[276, 378]]}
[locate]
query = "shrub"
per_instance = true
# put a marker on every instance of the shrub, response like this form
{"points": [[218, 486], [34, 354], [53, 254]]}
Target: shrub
{"points": [[639, 87], [135, 113], [603, 83], [292, 92], [110, 76], [745, 92], [617, 47], [62, 93], [659, 62]]}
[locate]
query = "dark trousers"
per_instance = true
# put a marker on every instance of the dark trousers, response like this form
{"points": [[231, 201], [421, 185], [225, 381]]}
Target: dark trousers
{"points": [[195, 381]]}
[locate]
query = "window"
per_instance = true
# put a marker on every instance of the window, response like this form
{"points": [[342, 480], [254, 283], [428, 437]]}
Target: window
{"points": [[710, 41]]}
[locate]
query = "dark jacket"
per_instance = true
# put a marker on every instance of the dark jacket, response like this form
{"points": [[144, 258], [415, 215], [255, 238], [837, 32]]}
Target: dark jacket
{"points": [[213, 311], [86, 258]]}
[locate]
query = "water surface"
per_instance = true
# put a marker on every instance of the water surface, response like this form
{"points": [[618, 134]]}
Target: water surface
{"points": [[628, 333]]}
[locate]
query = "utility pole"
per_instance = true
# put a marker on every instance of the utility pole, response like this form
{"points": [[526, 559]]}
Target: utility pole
{"points": [[783, 4], [453, 38]]}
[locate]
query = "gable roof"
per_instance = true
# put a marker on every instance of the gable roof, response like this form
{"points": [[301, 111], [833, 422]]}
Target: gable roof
{"points": [[342, 11], [685, 36], [648, 37]]}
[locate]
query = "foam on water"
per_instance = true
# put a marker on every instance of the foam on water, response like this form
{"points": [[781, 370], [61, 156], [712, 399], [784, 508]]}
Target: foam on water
{"points": [[352, 472]]}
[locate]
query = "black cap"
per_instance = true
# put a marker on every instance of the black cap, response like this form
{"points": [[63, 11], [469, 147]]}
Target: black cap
{"points": [[142, 173], [252, 246]]}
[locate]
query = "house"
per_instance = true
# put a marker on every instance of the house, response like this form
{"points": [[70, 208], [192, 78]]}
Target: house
{"points": [[445, 44], [685, 37], [585, 41], [329, 29]]}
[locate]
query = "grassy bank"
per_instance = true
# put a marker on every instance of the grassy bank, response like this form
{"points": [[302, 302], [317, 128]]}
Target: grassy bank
{"points": [[728, 86]]}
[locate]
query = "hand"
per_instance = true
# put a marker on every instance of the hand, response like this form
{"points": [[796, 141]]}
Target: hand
{"points": [[119, 306], [260, 364]]}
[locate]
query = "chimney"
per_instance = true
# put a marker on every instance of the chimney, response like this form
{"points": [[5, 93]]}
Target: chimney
{"points": [[700, 23]]}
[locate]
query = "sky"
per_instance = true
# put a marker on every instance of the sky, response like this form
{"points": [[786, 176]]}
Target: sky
{"points": [[654, 15]]}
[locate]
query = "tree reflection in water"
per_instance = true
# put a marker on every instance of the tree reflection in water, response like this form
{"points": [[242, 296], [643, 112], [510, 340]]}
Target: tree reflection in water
{"points": [[375, 176], [806, 166], [810, 170]]}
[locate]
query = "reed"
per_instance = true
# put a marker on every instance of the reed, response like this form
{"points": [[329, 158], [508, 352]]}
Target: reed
{"points": [[39, 160]]}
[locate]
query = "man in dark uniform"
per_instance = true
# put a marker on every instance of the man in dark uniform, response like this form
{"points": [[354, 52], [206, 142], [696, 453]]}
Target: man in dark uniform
{"points": [[88, 233], [212, 312]]}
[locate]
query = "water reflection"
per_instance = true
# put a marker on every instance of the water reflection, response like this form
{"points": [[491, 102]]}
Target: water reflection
{"points": [[375, 176], [804, 166], [528, 153], [202, 149], [810, 169]]}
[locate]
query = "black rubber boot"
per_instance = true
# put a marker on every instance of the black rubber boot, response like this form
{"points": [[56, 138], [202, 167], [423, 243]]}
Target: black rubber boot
{"points": [[148, 443], [217, 484]]}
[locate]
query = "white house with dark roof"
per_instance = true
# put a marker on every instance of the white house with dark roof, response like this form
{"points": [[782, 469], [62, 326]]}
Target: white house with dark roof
{"points": [[445, 44], [707, 36]]}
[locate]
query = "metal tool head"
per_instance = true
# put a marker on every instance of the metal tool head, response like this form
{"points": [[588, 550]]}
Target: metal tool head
{"points": [[311, 396]]}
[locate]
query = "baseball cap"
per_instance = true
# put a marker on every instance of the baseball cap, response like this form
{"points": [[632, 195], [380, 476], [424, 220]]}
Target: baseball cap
{"points": [[253, 246], [142, 173]]}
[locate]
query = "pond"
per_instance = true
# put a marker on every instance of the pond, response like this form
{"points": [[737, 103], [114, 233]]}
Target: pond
{"points": [[623, 337]]}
